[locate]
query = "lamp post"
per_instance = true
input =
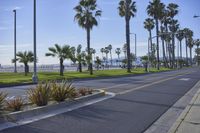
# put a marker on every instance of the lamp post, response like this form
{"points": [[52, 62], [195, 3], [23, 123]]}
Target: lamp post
{"points": [[15, 41], [135, 43], [34, 77], [196, 16]]}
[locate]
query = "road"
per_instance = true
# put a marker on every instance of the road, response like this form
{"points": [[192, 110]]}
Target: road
{"points": [[139, 102]]}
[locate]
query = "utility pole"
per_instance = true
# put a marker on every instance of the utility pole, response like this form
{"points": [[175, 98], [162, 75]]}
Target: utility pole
{"points": [[34, 77], [15, 42]]}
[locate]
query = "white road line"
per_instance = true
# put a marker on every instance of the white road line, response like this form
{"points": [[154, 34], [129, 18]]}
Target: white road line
{"points": [[127, 91], [184, 79]]}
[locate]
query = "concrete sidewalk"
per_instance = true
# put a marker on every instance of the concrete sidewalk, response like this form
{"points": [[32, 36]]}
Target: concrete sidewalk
{"points": [[189, 120]]}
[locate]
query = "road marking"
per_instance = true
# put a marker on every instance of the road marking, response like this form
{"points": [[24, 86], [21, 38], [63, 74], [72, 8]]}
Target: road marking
{"points": [[113, 86], [147, 85], [184, 79]]}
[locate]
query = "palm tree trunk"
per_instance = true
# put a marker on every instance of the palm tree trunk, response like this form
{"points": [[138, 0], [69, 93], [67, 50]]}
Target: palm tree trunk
{"points": [[128, 44], [191, 56], [61, 67], [118, 59], [25, 68], [157, 41], [80, 67], [111, 58], [173, 50], [181, 54], [150, 35], [88, 46], [186, 52]]}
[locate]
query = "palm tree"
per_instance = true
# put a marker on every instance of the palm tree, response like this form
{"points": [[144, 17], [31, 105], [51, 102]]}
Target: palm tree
{"points": [[102, 51], [197, 43], [155, 9], [187, 34], [25, 57], [173, 11], [173, 28], [190, 45], [118, 52], [110, 49], [61, 52], [127, 9], [149, 25], [180, 37], [106, 52], [98, 62], [86, 13], [80, 57], [73, 55], [93, 51], [165, 20]]}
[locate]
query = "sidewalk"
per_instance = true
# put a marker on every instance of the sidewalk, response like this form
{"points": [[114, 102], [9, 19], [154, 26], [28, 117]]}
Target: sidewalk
{"points": [[189, 120]]}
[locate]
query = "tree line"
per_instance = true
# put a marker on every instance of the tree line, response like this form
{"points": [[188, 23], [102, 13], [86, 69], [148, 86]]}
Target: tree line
{"points": [[161, 17]]}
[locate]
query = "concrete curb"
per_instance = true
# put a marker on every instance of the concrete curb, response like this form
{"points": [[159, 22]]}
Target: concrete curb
{"points": [[183, 115], [20, 115]]}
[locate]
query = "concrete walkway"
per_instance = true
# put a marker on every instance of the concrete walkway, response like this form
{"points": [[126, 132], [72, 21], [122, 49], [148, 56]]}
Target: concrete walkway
{"points": [[189, 120]]}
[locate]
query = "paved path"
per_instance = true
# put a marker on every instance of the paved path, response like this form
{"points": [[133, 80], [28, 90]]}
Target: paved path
{"points": [[189, 120], [141, 100]]}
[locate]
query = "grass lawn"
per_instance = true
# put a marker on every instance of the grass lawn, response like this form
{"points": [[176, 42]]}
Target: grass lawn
{"points": [[17, 78]]}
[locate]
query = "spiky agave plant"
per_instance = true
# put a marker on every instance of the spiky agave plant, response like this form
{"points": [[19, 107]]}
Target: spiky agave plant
{"points": [[62, 91], [39, 95], [15, 104]]}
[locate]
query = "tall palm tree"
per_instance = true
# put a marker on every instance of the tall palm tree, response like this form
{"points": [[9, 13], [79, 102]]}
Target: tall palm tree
{"points": [[155, 9], [102, 51], [25, 58], [149, 24], [118, 52], [110, 50], [86, 13], [127, 9], [187, 34], [173, 11], [165, 21], [197, 43], [173, 28], [180, 37], [61, 52], [190, 45]]}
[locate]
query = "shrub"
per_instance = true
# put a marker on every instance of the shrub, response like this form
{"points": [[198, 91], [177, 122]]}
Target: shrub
{"points": [[40, 95], [59, 92], [85, 91], [3, 96], [14, 104]]}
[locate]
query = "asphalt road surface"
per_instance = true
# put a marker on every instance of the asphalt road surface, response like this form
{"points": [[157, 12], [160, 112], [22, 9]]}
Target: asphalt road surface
{"points": [[139, 102]]}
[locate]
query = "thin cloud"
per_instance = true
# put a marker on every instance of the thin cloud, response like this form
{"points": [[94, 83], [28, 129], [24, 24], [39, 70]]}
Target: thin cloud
{"points": [[13, 8], [4, 28]]}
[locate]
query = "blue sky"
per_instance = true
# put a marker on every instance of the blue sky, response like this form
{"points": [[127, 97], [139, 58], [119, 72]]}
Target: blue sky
{"points": [[55, 24]]}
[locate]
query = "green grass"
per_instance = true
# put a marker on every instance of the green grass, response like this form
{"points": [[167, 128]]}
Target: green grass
{"points": [[17, 78]]}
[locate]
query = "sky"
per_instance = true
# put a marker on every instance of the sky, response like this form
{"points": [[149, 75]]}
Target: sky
{"points": [[55, 24]]}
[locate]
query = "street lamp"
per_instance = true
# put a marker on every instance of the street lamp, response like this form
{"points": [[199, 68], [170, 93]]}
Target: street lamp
{"points": [[34, 77], [135, 43], [195, 16], [15, 42]]}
